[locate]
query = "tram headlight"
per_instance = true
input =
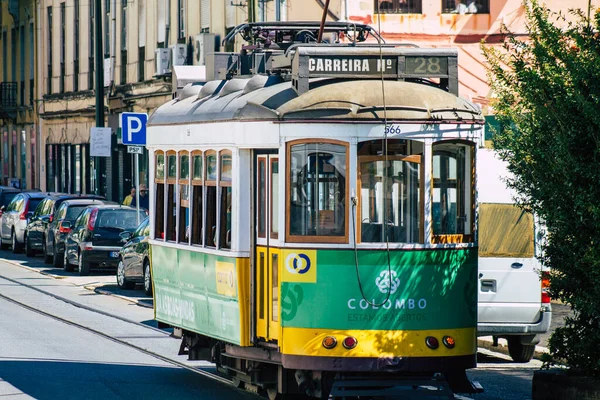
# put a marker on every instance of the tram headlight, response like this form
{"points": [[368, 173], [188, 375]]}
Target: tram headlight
{"points": [[449, 342], [432, 342], [329, 342]]}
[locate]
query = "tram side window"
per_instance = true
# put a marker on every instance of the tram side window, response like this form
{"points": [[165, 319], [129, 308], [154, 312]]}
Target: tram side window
{"points": [[317, 192], [210, 237], [452, 190], [184, 197], [225, 189], [197, 211], [171, 196], [159, 230]]}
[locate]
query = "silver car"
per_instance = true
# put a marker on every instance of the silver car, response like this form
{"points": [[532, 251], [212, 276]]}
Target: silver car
{"points": [[15, 218]]}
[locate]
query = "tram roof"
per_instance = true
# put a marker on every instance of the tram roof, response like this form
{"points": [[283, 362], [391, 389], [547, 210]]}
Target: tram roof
{"points": [[268, 98]]}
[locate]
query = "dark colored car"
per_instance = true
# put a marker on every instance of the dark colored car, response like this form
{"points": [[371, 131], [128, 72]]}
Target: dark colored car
{"points": [[16, 216], [56, 233], [7, 194], [37, 233], [134, 262], [95, 238]]}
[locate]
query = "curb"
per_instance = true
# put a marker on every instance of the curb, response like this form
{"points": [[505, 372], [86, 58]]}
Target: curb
{"points": [[87, 287], [503, 347], [109, 293]]}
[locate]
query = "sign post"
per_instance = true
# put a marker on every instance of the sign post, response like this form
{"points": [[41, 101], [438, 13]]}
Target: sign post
{"points": [[133, 129]]}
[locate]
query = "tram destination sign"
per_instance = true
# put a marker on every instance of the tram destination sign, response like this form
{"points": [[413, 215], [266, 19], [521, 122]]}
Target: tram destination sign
{"points": [[352, 65], [370, 62]]}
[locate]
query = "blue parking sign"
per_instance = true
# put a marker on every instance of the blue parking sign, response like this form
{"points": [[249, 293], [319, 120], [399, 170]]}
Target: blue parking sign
{"points": [[133, 128]]}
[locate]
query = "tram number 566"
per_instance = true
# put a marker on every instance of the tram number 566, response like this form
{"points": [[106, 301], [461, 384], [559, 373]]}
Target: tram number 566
{"points": [[391, 130]]}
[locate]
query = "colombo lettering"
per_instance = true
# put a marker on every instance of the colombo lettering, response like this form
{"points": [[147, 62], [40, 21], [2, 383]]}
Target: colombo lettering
{"points": [[398, 304], [175, 308]]}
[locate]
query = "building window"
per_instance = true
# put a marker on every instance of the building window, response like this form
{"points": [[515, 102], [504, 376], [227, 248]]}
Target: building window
{"points": [[141, 62], [22, 58], [4, 56], [50, 52], [398, 6], [23, 159], [32, 69], [316, 192], [181, 20], [466, 6], [452, 197], [76, 49], [106, 28], [13, 40], [91, 48], [62, 48], [33, 159], [124, 42]]}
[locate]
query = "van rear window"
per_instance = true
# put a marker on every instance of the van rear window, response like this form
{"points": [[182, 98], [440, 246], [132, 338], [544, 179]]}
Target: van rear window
{"points": [[505, 231]]}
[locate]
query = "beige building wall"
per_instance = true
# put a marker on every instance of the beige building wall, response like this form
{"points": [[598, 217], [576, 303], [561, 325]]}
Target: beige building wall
{"points": [[18, 102]]}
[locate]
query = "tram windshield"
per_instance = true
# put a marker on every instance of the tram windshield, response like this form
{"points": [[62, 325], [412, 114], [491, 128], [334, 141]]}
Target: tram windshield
{"points": [[318, 190], [390, 193]]}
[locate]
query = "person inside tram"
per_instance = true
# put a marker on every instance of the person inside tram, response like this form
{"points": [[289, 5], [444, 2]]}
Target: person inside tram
{"points": [[462, 8]]}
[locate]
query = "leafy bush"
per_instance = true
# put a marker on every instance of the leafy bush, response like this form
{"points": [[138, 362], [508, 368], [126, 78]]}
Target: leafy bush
{"points": [[547, 89]]}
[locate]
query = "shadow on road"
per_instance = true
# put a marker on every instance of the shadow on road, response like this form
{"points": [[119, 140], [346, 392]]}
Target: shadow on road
{"points": [[48, 379]]}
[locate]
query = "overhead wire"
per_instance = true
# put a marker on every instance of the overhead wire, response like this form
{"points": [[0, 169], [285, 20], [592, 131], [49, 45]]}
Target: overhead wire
{"points": [[384, 224]]}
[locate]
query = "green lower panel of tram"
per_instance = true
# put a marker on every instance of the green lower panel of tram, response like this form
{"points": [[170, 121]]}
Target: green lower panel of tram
{"points": [[304, 295], [418, 293], [202, 293]]}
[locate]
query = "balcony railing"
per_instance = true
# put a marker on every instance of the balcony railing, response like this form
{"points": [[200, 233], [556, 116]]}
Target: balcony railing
{"points": [[8, 95]]}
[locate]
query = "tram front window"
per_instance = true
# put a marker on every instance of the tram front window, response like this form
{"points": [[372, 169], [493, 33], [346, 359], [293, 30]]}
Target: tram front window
{"points": [[317, 190], [390, 199]]}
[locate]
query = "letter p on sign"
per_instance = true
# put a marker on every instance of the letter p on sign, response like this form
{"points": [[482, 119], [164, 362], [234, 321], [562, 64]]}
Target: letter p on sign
{"points": [[133, 128]]}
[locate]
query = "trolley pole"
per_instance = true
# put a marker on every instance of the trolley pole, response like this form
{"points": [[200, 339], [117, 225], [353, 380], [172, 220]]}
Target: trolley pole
{"points": [[99, 82]]}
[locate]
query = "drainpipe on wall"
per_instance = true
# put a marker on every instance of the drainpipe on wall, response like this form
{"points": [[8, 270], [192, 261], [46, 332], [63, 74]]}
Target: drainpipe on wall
{"points": [[40, 140], [113, 42]]}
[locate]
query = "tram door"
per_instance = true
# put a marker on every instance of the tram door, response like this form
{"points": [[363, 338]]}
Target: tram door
{"points": [[266, 294]]}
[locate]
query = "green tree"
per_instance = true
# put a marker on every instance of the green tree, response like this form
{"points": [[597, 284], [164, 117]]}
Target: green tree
{"points": [[547, 89]]}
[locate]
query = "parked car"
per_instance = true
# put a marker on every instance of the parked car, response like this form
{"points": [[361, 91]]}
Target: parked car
{"points": [[95, 236], [56, 233], [134, 262], [36, 233], [15, 217], [7, 194]]}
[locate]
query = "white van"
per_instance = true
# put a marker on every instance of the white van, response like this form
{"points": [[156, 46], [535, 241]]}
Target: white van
{"points": [[512, 304]]}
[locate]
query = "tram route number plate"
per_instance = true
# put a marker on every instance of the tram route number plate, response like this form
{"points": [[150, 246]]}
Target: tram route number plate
{"points": [[135, 149]]}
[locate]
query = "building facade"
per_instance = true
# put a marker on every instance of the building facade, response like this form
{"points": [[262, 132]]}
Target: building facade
{"points": [[19, 129]]}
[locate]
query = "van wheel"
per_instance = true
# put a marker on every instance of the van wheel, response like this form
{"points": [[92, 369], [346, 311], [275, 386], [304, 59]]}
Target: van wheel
{"points": [[519, 352]]}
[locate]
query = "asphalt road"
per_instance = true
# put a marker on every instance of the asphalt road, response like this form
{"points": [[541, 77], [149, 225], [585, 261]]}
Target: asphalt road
{"points": [[58, 355]]}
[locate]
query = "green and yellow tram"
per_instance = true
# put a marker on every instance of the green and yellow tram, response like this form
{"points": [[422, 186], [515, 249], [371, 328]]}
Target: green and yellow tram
{"points": [[313, 214]]}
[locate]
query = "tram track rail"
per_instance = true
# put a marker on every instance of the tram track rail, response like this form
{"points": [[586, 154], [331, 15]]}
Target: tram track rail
{"points": [[104, 335]]}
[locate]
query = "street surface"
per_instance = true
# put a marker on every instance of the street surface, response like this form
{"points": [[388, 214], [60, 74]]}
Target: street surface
{"points": [[127, 358]]}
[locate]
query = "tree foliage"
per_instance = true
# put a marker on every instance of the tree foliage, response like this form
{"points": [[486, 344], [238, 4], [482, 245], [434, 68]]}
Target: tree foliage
{"points": [[547, 89]]}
